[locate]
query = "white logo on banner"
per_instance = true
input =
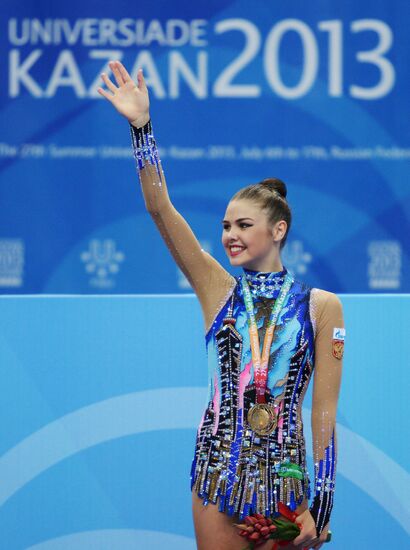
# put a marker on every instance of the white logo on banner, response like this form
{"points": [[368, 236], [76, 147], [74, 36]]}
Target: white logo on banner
{"points": [[183, 282], [102, 261], [384, 269], [296, 258], [11, 262]]}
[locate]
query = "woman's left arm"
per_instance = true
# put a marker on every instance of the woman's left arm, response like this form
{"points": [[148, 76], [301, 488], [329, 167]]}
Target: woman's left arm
{"points": [[329, 347]]}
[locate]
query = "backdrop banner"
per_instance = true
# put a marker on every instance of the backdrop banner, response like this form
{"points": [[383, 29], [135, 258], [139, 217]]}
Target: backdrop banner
{"points": [[314, 93], [99, 414]]}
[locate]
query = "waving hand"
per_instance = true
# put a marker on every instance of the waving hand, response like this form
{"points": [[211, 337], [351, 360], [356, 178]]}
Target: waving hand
{"points": [[131, 100]]}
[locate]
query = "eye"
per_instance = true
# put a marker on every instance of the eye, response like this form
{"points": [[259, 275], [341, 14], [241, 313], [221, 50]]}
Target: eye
{"points": [[225, 226], [244, 225]]}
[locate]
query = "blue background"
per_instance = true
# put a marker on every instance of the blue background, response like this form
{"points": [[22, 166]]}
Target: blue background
{"points": [[79, 223], [97, 420], [99, 412]]}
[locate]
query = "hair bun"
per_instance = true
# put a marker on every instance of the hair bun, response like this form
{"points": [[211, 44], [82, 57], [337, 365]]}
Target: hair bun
{"points": [[275, 184]]}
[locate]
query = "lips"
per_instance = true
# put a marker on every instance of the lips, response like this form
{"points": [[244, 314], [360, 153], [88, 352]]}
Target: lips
{"points": [[235, 250]]}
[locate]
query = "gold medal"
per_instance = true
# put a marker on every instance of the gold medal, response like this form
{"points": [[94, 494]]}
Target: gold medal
{"points": [[262, 418]]}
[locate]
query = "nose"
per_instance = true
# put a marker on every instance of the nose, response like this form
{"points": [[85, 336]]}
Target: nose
{"points": [[230, 235]]}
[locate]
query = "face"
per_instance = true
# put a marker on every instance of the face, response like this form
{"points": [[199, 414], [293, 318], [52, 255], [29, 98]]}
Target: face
{"points": [[249, 239]]}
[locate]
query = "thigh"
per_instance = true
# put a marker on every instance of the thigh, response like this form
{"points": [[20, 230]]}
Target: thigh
{"points": [[215, 530]]}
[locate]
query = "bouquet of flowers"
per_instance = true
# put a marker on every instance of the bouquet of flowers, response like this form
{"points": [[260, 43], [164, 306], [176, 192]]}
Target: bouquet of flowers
{"points": [[257, 528]]}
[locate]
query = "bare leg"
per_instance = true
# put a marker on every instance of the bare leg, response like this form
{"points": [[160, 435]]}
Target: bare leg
{"points": [[215, 530]]}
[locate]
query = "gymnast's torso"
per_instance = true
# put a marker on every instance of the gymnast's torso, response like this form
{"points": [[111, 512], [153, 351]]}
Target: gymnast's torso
{"points": [[233, 467]]}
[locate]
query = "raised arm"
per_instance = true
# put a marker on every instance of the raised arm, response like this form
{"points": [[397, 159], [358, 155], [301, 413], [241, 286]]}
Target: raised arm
{"points": [[207, 277], [329, 344]]}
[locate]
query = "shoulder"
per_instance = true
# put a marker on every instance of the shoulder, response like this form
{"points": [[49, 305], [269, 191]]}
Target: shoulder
{"points": [[299, 287], [217, 288], [326, 299], [320, 300], [215, 276], [326, 309]]}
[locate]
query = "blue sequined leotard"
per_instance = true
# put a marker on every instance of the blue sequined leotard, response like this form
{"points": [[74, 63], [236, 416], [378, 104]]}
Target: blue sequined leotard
{"points": [[232, 463]]}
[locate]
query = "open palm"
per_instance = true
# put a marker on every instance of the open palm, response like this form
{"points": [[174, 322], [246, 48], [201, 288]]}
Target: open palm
{"points": [[131, 100]]}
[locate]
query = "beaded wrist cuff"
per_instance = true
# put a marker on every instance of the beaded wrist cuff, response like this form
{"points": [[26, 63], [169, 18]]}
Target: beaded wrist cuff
{"points": [[325, 472], [145, 148]]}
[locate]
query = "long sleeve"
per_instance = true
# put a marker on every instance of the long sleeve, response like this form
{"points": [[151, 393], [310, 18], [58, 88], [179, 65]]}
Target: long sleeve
{"points": [[329, 344], [207, 277]]}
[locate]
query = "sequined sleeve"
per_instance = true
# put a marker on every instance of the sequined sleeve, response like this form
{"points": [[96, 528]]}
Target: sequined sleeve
{"points": [[207, 277], [329, 345]]}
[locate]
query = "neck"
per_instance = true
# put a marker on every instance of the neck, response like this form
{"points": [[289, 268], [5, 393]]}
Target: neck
{"points": [[266, 266]]}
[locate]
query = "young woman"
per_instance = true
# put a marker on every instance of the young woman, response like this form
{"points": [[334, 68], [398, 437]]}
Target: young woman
{"points": [[266, 334]]}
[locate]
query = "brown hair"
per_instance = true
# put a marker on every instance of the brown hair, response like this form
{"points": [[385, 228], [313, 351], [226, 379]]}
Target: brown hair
{"points": [[270, 194]]}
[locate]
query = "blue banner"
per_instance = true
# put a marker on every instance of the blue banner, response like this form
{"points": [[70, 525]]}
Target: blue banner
{"points": [[316, 94]]}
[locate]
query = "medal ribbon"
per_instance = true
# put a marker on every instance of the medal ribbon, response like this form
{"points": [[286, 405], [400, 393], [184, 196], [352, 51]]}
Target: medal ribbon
{"points": [[260, 364]]}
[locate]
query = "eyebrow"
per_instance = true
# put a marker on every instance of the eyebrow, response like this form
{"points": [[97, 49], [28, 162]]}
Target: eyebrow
{"points": [[239, 220]]}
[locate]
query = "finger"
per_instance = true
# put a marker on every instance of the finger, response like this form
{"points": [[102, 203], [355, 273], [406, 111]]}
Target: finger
{"points": [[141, 80], [105, 94], [124, 73], [317, 543], [116, 72], [303, 541], [110, 85]]}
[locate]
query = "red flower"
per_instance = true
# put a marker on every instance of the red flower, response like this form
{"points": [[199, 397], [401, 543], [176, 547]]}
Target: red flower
{"points": [[259, 528]]}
